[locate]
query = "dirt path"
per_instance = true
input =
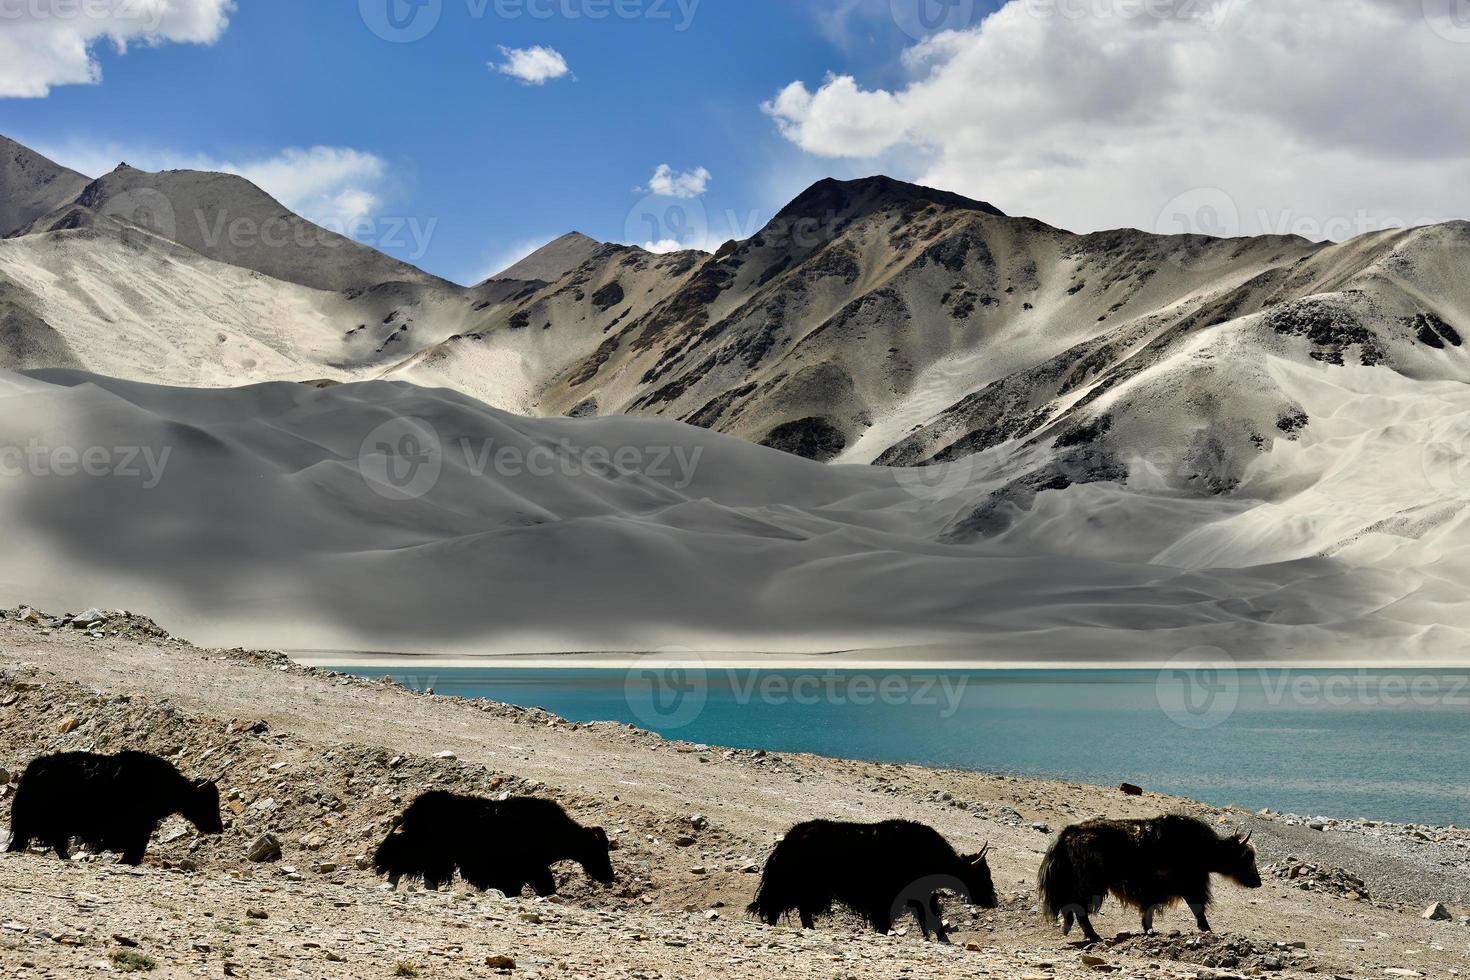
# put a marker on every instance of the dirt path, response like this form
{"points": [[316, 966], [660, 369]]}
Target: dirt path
{"points": [[325, 762]]}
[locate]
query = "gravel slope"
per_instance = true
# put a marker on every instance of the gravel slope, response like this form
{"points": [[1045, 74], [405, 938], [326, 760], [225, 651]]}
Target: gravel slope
{"points": [[323, 762]]}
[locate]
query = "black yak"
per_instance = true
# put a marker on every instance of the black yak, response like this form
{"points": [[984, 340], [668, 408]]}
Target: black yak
{"points": [[109, 802], [878, 870], [1146, 864], [504, 845]]}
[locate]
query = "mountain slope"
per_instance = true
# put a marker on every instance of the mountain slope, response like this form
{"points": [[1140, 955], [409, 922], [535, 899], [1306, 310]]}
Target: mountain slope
{"points": [[230, 220], [31, 186], [553, 260]]}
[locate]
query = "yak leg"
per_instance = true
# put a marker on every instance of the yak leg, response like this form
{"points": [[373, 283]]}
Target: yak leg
{"points": [[62, 847], [1197, 904], [808, 920], [1148, 919], [1086, 923], [543, 882], [1067, 921], [936, 906], [921, 914]]}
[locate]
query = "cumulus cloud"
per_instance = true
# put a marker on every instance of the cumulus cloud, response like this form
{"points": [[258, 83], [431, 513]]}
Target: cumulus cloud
{"points": [[667, 182], [336, 187], [533, 66], [1286, 116], [44, 43]]}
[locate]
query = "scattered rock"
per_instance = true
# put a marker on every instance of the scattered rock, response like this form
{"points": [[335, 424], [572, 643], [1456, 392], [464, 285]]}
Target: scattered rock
{"points": [[1437, 912], [1131, 790], [264, 848], [500, 963]]}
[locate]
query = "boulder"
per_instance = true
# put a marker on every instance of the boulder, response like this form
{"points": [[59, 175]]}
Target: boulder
{"points": [[1437, 913]]}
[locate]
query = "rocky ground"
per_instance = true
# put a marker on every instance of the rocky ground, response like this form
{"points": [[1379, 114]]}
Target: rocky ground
{"points": [[314, 766]]}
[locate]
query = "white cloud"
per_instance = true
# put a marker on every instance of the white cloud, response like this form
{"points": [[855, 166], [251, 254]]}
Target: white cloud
{"points": [[534, 66], [664, 246], [44, 43], [1323, 119], [667, 182], [336, 187]]}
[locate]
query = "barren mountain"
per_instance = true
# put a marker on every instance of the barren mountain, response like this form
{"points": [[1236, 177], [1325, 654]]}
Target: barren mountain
{"points": [[31, 185], [1112, 445]]}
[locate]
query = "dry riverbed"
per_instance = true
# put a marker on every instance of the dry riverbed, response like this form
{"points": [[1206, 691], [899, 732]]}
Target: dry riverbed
{"points": [[318, 764]]}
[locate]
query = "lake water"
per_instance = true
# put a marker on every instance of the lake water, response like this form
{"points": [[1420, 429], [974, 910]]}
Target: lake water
{"points": [[1344, 743]]}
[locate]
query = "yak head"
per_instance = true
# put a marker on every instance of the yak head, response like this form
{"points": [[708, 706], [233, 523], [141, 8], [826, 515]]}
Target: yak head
{"points": [[1236, 860], [975, 873], [595, 858], [202, 808]]}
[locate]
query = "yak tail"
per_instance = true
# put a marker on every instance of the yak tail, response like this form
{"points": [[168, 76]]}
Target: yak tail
{"points": [[1057, 882], [771, 898]]}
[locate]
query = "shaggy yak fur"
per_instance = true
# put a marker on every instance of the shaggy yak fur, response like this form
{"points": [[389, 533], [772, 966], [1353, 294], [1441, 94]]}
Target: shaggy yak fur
{"points": [[109, 802], [1146, 864], [880, 871], [504, 845]]}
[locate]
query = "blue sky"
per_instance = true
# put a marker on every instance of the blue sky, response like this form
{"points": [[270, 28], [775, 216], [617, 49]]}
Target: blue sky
{"points": [[1218, 116], [490, 163]]}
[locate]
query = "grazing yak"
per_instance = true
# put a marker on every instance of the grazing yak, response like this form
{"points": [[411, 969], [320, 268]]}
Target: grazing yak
{"points": [[109, 802], [880, 871], [1144, 863], [504, 845]]}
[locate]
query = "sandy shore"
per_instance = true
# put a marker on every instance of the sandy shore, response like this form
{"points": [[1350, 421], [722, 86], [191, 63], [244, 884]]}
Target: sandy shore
{"points": [[903, 660], [323, 762]]}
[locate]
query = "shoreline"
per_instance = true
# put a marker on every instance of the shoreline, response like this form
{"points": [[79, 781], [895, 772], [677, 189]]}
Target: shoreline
{"points": [[844, 661]]}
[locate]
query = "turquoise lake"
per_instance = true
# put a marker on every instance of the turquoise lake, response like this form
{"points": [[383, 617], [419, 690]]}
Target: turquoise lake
{"points": [[1343, 743]]}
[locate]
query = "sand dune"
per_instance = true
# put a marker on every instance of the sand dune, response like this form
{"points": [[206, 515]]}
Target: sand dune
{"points": [[273, 516]]}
